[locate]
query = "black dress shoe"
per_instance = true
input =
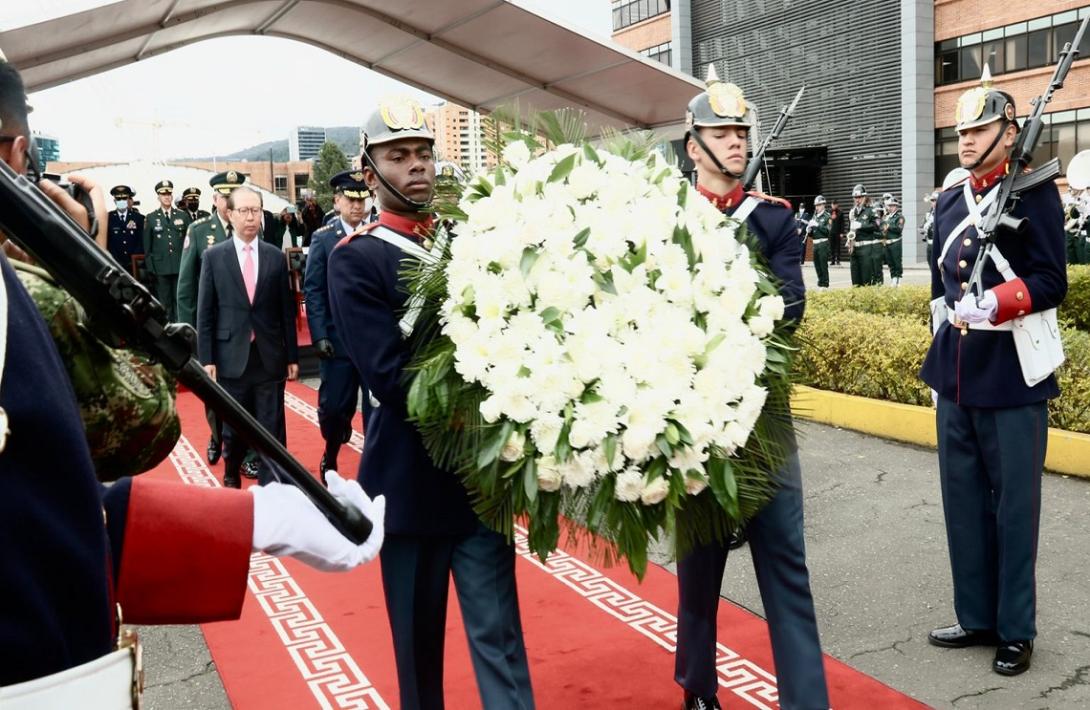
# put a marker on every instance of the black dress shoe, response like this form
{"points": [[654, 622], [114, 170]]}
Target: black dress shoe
{"points": [[957, 637], [1012, 657], [737, 539], [695, 702], [249, 469], [215, 449], [230, 481]]}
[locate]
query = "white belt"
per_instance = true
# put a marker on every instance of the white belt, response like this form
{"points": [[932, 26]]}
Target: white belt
{"points": [[893, 241], [866, 243], [821, 241], [106, 683], [984, 325]]}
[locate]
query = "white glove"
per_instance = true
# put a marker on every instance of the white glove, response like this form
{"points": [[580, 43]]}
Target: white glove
{"points": [[934, 399], [287, 523], [973, 310], [856, 224], [812, 223]]}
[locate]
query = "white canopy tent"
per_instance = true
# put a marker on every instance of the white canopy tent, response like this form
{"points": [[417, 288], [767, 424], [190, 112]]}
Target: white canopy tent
{"points": [[478, 53]]}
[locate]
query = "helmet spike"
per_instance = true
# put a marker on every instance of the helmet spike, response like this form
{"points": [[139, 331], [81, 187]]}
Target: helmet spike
{"points": [[712, 77], [986, 77]]}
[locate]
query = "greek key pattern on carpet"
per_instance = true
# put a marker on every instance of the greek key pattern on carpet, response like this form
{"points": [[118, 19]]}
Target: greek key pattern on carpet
{"points": [[328, 670], [310, 413], [742, 677]]}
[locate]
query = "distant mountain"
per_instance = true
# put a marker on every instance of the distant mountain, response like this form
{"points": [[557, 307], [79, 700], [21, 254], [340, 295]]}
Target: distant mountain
{"points": [[347, 139]]}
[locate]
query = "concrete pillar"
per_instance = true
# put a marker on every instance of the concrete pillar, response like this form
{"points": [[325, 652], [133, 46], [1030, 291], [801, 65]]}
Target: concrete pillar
{"points": [[681, 26], [917, 119]]}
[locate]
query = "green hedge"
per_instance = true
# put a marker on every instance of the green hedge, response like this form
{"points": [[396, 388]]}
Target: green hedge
{"points": [[871, 342]]}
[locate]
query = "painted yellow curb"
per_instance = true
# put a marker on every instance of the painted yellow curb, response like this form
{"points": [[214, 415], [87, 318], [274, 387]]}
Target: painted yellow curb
{"points": [[1068, 452]]}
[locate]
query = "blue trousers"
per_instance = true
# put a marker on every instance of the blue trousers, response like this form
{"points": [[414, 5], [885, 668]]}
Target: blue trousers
{"points": [[990, 463], [416, 574], [338, 397], [779, 559]]}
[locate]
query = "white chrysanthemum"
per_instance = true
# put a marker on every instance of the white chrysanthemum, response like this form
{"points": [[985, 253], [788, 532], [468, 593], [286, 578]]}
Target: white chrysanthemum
{"points": [[655, 491], [516, 154], [628, 486]]}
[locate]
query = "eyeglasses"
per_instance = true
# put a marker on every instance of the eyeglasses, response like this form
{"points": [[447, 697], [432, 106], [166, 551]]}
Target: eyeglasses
{"points": [[248, 211]]}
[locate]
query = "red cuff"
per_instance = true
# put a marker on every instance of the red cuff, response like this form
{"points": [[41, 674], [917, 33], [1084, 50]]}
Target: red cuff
{"points": [[186, 554], [1013, 299]]}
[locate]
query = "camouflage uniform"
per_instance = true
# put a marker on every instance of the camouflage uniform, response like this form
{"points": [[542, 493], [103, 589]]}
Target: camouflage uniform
{"points": [[126, 402]]}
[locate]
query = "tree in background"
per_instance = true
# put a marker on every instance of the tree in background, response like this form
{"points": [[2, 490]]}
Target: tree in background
{"points": [[329, 162]]}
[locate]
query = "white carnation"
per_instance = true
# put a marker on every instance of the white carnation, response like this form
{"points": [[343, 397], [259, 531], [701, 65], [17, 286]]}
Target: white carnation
{"points": [[762, 325], [516, 154], [772, 307]]}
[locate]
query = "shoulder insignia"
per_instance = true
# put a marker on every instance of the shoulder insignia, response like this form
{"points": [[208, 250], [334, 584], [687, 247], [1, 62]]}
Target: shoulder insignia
{"points": [[769, 198], [364, 229], [957, 185]]}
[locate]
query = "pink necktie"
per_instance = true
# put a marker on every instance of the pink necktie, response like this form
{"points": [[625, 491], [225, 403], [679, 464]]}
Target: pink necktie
{"points": [[248, 276]]}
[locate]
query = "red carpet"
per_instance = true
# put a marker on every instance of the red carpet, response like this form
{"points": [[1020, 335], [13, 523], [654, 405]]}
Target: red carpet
{"points": [[595, 638]]}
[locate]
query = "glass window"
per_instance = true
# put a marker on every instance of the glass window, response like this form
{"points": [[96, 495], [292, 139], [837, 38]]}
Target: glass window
{"points": [[993, 56], [1015, 52], [1040, 23], [1069, 16], [948, 44], [1046, 147], [970, 62], [968, 40], [993, 34], [1064, 137], [280, 184], [1015, 29], [1039, 50], [1082, 141], [1061, 35]]}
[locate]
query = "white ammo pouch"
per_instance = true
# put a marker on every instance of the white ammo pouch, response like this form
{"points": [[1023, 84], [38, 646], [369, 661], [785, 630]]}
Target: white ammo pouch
{"points": [[1036, 335], [110, 682]]}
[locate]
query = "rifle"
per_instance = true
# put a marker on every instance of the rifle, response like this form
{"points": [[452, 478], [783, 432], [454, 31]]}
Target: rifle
{"points": [[117, 302], [755, 163], [1015, 182]]}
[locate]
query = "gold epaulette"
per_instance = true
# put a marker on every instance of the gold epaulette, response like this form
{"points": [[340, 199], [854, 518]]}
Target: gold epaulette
{"points": [[363, 229]]}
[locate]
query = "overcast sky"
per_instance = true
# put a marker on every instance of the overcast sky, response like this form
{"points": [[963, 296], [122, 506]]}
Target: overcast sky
{"points": [[205, 110]]}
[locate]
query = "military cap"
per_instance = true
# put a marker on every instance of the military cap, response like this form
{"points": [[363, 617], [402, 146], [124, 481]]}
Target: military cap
{"points": [[191, 192], [227, 181], [121, 192], [859, 191], [891, 200], [984, 104], [350, 184], [819, 200], [396, 118], [164, 187], [720, 104], [887, 196]]}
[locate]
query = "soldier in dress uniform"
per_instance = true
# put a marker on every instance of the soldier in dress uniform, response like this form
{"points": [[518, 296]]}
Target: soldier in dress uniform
{"points": [[893, 226], [863, 239], [433, 531], [992, 424], [339, 392], [927, 229], [719, 122], [202, 234], [818, 229], [191, 203], [164, 234], [125, 235], [1075, 228], [78, 556]]}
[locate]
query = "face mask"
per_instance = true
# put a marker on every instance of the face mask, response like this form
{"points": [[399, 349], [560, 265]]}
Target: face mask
{"points": [[122, 205]]}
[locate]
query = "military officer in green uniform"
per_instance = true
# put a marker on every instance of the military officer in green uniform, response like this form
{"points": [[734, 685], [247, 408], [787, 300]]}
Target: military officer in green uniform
{"points": [[191, 203], [818, 229], [863, 240], [164, 233], [893, 225], [202, 234]]}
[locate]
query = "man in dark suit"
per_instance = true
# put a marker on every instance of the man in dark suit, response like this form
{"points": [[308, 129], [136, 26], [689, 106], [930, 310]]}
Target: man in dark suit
{"points": [[246, 326], [991, 416], [125, 228], [719, 124], [339, 392], [432, 530]]}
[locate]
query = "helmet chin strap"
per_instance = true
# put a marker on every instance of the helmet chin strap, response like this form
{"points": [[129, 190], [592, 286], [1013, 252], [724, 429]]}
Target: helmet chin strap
{"points": [[695, 135], [410, 203], [995, 142]]}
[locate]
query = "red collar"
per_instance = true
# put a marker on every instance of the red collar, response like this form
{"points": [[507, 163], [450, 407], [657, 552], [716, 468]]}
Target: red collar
{"points": [[983, 183], [724, 202], [406, 225]]}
